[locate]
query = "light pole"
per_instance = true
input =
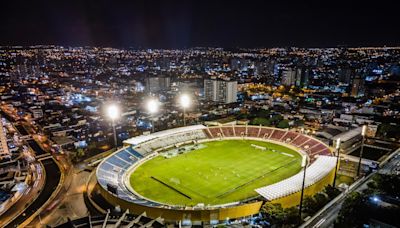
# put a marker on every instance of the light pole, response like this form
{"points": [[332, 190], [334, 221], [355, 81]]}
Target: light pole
{"points": [[185, 103], [337, 160], [113, 113], [364, 129], [304, 165], [152, 107]]}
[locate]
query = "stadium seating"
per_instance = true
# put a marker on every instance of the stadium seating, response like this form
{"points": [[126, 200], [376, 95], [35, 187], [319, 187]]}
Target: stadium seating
{"points": [[307, 144], [228, 131], [240, 131], [215, 132], [277, 134], [289, 136], [265, 133], [315, 172]]}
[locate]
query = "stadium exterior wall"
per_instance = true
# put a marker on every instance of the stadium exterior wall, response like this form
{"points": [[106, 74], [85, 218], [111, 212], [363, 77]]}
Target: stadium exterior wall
{"points": [[294, 199], [171, 214]]}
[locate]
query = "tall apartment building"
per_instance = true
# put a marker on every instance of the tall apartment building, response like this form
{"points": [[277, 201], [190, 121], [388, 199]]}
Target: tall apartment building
{"points": [[220, 91], [357, 88], [288, 77], [157, 84]]}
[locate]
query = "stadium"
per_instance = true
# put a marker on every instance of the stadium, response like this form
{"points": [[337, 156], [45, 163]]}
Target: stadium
{"points": [[211, 174]]}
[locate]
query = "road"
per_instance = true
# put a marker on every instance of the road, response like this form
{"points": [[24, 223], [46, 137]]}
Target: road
{"points": [[29, 195], [52, 179], [35, 147], [69, 202]]}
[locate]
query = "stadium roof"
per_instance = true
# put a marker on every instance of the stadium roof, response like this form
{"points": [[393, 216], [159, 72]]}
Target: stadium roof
{"points": [[314, 173], [143, 138], [345, 136]]}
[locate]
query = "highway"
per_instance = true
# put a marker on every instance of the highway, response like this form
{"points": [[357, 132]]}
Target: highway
{"points": [[52, 179]]}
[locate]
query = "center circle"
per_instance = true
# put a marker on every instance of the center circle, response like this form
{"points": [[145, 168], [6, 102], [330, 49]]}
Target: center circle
{"points": [[214, 172]]}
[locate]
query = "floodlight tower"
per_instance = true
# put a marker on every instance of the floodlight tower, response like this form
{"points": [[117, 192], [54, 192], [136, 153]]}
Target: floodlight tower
{"points": [[185, 103], [152, 108], [113, 113], [304, 165], [363, 131], [337, 160]]}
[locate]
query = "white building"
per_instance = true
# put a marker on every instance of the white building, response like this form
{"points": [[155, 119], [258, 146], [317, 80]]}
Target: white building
{"points": [[220, 91]]}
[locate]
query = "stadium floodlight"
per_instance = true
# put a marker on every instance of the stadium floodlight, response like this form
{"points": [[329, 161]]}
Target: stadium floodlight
{"points": [[363, 131], [337, 160], [113, 113], [185, 102], [338, 143], [152, 108], [303, 164]]}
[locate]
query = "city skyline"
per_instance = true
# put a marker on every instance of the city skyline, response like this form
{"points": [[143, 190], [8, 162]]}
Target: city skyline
{"points": [[186, 24]]}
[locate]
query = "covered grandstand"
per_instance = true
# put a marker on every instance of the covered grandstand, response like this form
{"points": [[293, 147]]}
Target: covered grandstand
{"points": [[112, 172]]}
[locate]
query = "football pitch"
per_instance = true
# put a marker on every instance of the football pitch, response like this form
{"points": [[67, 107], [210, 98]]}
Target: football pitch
{"points": [[219, 172]]}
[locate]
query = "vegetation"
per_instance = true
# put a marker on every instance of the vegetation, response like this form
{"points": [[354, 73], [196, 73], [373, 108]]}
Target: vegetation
{"points": [[358, 207], [312, 204], [265, 118], [261, 121], [283, 124], [221, 172], [277, 216], [389, 131]]}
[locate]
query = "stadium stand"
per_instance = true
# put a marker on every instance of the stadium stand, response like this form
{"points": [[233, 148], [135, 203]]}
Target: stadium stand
{"points": [[228, 131], [240, 131], [277, 134], [265, 133], [253, 131], [315, 172]]}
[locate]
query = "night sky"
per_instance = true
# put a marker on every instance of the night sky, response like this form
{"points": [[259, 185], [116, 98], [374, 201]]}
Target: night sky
{"points": [[184, 24]]}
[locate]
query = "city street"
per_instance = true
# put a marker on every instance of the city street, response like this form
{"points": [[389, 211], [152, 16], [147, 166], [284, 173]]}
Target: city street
{"points": [[69, 202]]}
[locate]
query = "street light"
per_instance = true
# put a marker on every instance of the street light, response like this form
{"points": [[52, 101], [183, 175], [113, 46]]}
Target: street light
{"points": [[337, 160], [185, 102], [152, 107], [113, 113], [363, 131], [304, 165]]}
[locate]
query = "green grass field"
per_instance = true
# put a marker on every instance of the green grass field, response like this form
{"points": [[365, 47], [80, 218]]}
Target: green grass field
{"points": [[221, 172]]}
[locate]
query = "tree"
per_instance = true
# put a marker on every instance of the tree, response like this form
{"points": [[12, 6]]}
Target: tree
{"points": [[292, 216], [349, 215], [309, 205], [274, 213], [320, 200], [331, 192], [263, 113], [261, 121], [81, 152], [283, 124], [278, 216]]}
